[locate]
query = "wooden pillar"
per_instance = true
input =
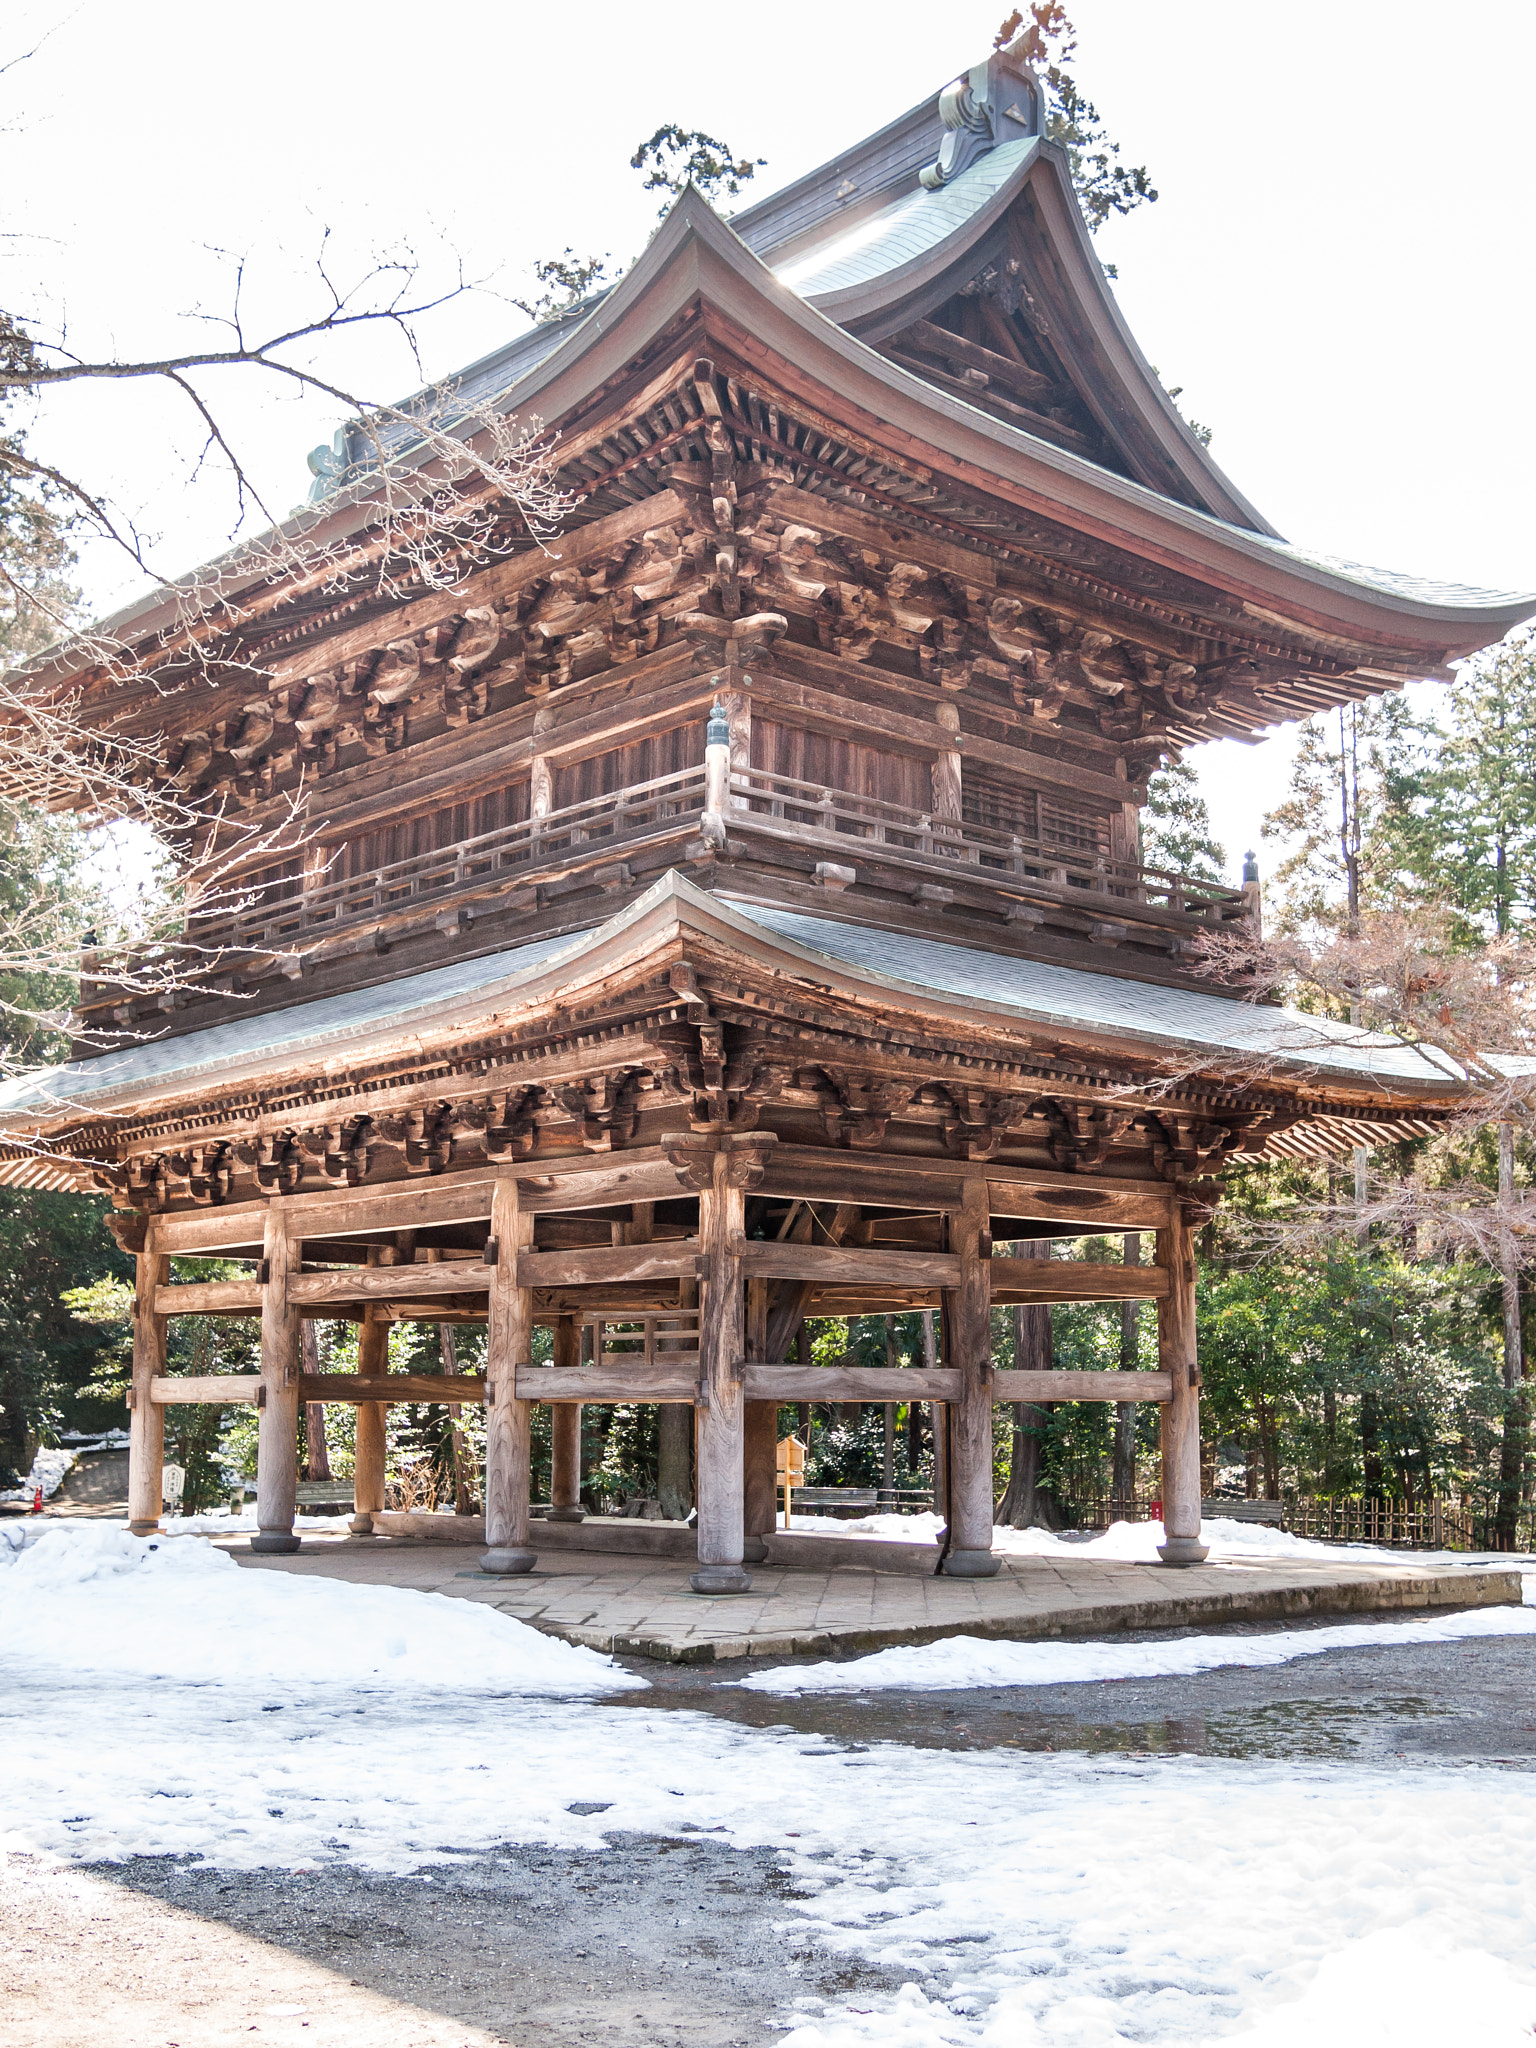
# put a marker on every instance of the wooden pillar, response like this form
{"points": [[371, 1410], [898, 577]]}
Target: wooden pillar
{"points": [[721, 1411], [509, 1335], [368, 1457], [1123, 1473], [938, 1422], [968, 1348], [277, 1435], [674, 1476], [761, 1443], [565, 1432], [146, 1418], [892, 1362], [717, 773], [317, 1457], [1176, 1355]]}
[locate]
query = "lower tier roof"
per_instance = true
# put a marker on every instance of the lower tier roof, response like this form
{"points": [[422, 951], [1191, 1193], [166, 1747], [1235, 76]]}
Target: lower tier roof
{"points": [[892, 973]]}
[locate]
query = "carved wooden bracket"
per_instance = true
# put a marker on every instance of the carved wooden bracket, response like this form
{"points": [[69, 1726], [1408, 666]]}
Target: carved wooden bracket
{"points": [[692, 1153], [130, 1229]]}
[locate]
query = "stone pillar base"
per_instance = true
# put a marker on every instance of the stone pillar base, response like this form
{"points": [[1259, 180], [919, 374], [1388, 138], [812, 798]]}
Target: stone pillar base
{"points": [[1183, 1550], [361, 1525], [972, 1564], [754, 1550], [721, 1578], [508, 1564], [565, 1515], [276, 1542], [143, 1528]]}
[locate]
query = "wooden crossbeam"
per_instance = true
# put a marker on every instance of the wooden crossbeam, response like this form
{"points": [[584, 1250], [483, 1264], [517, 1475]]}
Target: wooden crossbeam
{"points": [[833, 1265], [209, 1297], [849, 1383], [390, 1283], [1082, 1386], [1027, 1280], [662, 1381], [448, 1388], [676, 1380], [596, 1265], [216, 1387]]}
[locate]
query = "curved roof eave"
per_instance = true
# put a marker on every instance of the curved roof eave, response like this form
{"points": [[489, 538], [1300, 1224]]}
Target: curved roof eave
{"points": [[860, 304], [694, 249], [442, 1005], [695, 255]]}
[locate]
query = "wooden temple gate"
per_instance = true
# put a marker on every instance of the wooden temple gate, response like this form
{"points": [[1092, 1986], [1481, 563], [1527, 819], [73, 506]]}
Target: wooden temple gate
{"points": [[772, 837], [717, 1362]]}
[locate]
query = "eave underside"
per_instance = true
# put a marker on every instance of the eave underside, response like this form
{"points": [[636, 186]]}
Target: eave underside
{"points": [[703, 1028]]}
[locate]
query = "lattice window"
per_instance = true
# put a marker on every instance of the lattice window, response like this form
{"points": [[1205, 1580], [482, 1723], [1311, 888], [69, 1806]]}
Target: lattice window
{"points": [[1037, 819], [1073, 830]]}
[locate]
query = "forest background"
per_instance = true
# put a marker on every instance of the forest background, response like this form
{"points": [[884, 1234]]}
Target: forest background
{"points": [[1352, 1350]]}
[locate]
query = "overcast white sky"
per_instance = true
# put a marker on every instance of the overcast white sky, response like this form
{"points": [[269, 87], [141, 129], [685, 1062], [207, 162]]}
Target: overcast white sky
{"points": [[1338, 269]]}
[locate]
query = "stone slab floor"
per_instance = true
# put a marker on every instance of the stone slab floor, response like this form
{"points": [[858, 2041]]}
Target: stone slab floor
{"points": [[643, 1606]]}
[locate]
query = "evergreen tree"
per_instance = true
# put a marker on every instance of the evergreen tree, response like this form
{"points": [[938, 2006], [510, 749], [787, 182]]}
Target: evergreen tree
{"points": [[1461, 813], [1342, 858], [1176, 830], [1049, 45]]}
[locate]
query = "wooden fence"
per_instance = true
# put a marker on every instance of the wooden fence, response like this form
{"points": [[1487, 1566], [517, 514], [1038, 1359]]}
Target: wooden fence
{"points": [[1437, 1525]]}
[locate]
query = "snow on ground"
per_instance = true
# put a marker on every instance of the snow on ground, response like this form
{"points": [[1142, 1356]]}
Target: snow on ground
{"points": [[961, 1661], [49, 1465], [1027, 1899], [220, 1522], [89, 1597], [1134, 1542]]}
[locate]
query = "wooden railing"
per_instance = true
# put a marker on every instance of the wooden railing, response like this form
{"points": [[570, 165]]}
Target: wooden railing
{"points": [[994, 854], [295, 915], [514, 850]]}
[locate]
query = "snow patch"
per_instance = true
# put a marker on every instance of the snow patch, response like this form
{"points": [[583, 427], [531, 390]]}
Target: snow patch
{"points": [[50, 1464], [1077, 1901], [1135, 1542], [89, 1598], [959, 1662]]}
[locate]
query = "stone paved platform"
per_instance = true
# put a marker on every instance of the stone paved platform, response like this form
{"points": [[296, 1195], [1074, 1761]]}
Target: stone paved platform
{"points": [[642, 1606]]}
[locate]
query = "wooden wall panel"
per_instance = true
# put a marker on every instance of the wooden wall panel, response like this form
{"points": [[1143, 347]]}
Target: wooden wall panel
{"points": [[663, 753], [838, 763], [414, 834]]}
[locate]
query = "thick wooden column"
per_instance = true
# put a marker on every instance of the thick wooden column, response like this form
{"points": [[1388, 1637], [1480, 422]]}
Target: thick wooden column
{"points": [[509, 1336], [674, 1432], [968, 1346], [372, 1417], [1176, 1355], [146, 1418], [277, 1436], [565, 1432], [761, 1441], [938, 1422], [721, 1408]]}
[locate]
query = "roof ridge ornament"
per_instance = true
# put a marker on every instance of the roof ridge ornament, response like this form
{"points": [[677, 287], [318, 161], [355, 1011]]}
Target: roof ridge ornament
{"points": [[965, 110], [999, 101]]}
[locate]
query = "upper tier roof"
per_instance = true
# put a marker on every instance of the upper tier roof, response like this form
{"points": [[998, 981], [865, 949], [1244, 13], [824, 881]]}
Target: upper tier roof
{"points": [[873, 239], [822, 287]]}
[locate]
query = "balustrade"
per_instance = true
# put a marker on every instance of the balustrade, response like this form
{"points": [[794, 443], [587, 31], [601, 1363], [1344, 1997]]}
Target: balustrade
{"points": [[295, 912]]}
